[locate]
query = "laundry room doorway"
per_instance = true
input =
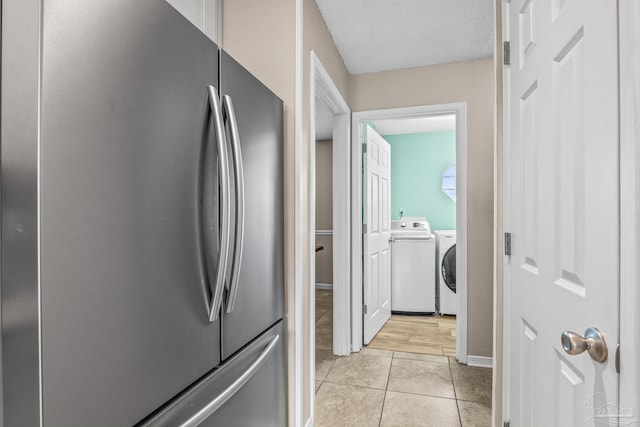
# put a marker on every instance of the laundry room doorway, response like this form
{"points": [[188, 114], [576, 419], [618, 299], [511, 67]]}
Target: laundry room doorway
{"points": [[428, 205]]}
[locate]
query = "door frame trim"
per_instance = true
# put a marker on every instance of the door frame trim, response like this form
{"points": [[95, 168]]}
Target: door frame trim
{"points": [[358, 118], [295, 322], [324, 88], [629, 98], [504, 225]]}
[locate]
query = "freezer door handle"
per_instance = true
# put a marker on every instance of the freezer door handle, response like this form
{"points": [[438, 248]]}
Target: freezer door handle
{"points": [[225, 208], [230, 115], [236, 386]]}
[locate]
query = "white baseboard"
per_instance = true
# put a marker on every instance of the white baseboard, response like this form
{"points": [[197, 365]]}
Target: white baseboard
{"points": [[324, 286], [480, 361]]}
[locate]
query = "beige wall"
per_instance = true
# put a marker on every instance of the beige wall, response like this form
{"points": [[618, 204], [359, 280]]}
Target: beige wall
{"points": [[268, 51], [317, 38], [324, 210], [324, 184], [324, 260], [260, 35], [472, 82]]}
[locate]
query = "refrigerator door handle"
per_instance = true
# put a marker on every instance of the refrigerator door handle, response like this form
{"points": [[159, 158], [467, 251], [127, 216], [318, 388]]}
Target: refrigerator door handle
{"points": [[229, 111], [230, 391], [225, 208]]}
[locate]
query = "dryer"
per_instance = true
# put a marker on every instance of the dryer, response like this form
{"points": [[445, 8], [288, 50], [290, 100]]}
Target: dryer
{"points": [[446, 271]]}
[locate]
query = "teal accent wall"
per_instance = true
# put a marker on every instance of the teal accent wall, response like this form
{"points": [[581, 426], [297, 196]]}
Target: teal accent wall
{"points": [[417, 163]]}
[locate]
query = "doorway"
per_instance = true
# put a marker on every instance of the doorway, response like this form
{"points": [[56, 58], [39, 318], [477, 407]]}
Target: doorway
{"points": [[324, 260], [340, 379], [330, 120], [422, 206], [457, 110]]}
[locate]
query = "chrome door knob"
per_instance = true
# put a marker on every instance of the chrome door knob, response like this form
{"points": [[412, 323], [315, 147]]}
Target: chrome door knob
{"points": [[593, 342]]}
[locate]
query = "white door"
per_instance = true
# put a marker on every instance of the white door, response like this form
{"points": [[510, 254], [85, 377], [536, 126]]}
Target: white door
{"points": [[377, 215], [562, 209]]}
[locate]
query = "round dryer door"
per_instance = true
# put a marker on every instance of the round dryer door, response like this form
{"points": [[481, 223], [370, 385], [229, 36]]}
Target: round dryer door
{"points": [[449, 268]]}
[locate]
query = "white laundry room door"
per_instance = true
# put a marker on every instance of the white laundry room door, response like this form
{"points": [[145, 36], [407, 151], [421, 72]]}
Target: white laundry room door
{"points": [[377, 254], [562, 170]]}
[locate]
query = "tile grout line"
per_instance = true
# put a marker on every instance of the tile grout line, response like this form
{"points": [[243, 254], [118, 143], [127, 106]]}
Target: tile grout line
{"points": [[384, 399], [455, 393], [401, 392], [333, 363], [361, 386]]}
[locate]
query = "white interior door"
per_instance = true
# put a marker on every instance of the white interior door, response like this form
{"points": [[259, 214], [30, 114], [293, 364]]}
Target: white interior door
{"points": [[377, 215], [562, 209]]}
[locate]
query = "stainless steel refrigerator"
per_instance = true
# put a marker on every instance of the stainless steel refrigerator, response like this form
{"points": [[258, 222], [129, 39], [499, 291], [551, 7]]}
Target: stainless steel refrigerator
{"points": [[142, 222]]}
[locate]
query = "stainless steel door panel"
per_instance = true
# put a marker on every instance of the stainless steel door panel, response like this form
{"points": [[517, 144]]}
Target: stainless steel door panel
{"points": [[124, 119], [260, 401], [20, 309], [260, 297]]}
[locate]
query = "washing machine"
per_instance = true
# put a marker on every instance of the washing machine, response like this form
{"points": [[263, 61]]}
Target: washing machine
{"points": [[413, 252], [446, 271]]}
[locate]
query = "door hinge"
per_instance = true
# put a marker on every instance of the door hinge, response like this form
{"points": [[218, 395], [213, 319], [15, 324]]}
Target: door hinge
{"points": [[618, 359], [364, 228], [507, 244], [364, 308], [506, 424], [507, 53], [364, 148]]}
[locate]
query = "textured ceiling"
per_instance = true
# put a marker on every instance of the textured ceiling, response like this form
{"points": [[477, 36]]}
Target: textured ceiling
{"points": [[381, 35]]}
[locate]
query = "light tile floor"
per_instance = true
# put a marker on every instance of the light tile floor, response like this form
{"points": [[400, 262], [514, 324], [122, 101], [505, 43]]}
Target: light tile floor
{"points": [[379, 387]]}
